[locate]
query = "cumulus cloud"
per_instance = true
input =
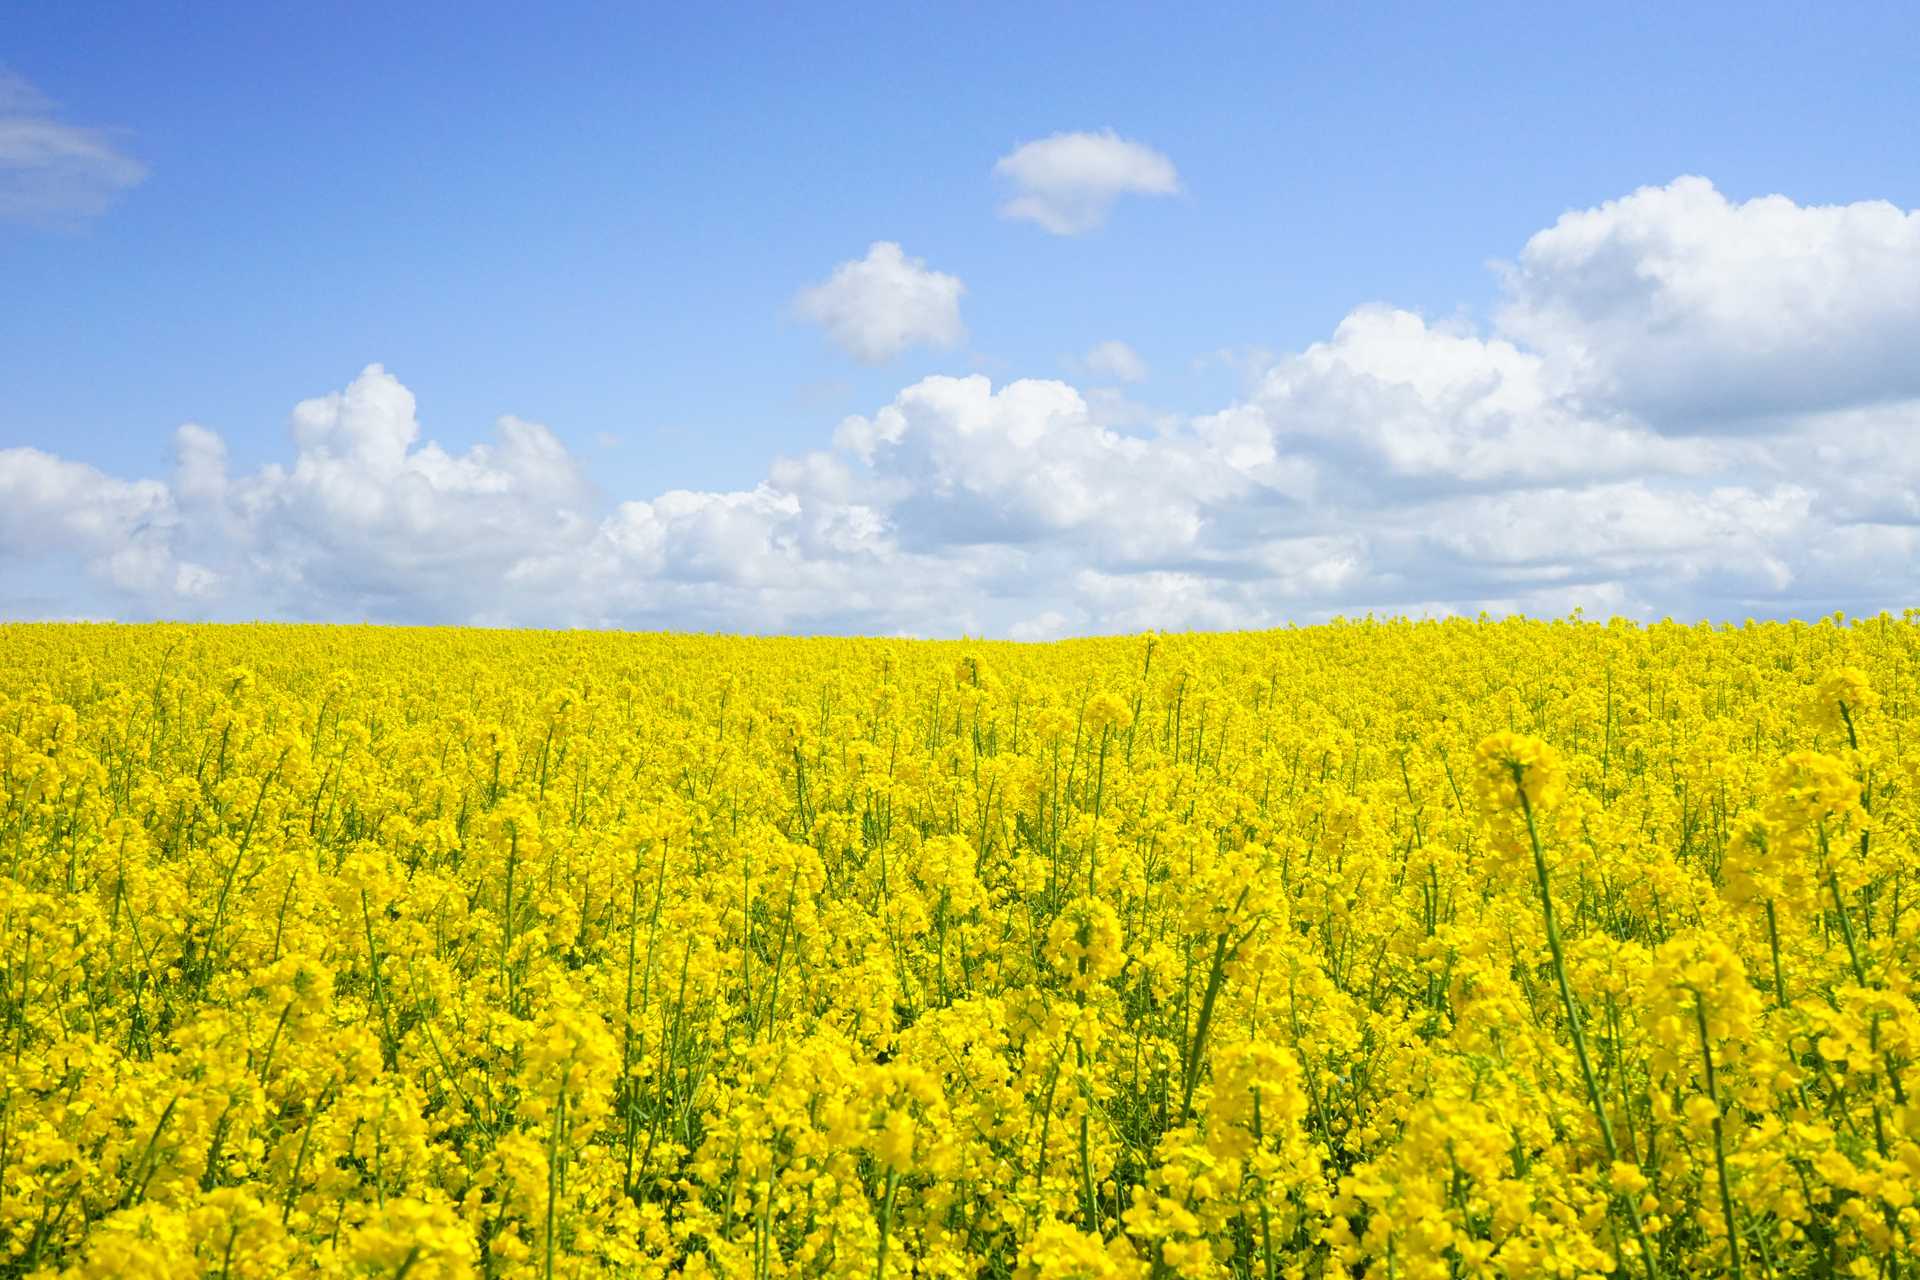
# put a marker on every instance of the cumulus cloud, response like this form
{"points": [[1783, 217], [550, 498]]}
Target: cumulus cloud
{"points": [[52, 171], [1398, 401], [965, 464], [1696, 312], [56, 514], [1400, 465], [1733, 538], [1068, 182], [368, 517], [875, 307], [1113, 361]]}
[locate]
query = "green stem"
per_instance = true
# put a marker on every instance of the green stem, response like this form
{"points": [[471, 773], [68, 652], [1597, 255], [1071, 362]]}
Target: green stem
{"points": [[886, 1226], [1573, 1013], [1719, 1140], [1773, 941]]}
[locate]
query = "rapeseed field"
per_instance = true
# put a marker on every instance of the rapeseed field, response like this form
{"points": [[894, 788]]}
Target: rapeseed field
{"points": [[1385, 949]]}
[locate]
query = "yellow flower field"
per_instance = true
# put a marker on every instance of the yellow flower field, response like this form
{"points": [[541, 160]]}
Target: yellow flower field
{"points": [[1384, 949]]}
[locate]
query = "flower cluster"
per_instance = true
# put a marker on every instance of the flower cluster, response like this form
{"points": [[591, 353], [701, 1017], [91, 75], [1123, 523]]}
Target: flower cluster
{"points": [[1449, 949]]}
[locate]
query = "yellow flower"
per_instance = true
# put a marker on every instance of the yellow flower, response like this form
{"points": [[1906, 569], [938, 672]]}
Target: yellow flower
{"points": [[1512, 766], [366, 952], [1084, 943], [1841, 700], [1107, 712]]}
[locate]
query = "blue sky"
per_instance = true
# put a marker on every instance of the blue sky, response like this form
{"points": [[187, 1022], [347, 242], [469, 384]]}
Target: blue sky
{"points": [[600, 220]]}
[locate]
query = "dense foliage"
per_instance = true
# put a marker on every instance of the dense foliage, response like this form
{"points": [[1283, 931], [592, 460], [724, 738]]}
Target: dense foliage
{"points": [[1412, 950]]}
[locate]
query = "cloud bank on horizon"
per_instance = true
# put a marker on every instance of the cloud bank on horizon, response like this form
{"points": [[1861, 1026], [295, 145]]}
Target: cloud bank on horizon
{"points": [[1684, 406]]}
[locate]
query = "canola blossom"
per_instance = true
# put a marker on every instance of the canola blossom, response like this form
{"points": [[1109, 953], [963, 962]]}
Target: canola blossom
{"points": [[1447, 949]]}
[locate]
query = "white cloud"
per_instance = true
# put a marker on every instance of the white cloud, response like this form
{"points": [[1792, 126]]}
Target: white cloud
{"points": [[1623, 529], [1165, 600], [1113, 360], [1867, 459], [1398, 400], [1695, 312], [1068, 182], [55, 513], [1049, 625], [367, 516], [965, 464], [200, 465], [52, 171], [875, 307], [1400, 465]]}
